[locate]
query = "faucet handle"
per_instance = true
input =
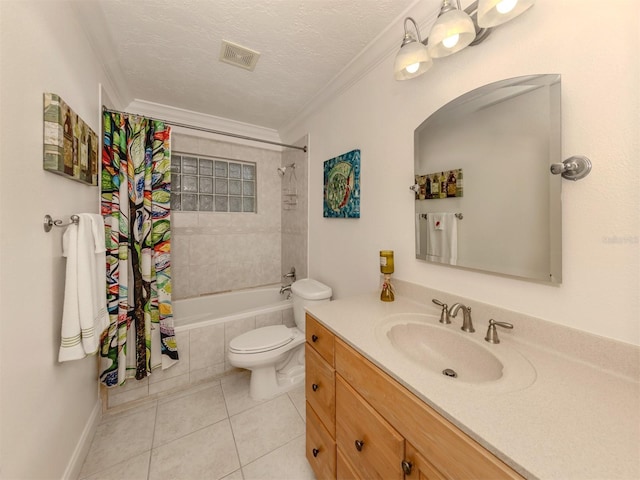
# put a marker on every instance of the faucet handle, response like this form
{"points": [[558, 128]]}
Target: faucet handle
{"points": [[492, 331], [444, 314]]}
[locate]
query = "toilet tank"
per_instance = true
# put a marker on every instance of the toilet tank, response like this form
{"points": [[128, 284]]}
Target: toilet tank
{"points": [[307, 292]]}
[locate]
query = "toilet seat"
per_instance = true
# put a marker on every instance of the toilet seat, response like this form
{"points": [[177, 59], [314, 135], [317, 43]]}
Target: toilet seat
{"points": [[262, 339]]}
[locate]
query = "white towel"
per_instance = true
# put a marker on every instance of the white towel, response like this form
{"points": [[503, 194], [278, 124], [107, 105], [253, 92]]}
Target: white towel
{"points": [[85, 315], [442, 241]]}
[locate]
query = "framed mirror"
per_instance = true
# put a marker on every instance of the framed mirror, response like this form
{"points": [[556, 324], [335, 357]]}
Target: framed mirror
{"points": [[485, 198]]}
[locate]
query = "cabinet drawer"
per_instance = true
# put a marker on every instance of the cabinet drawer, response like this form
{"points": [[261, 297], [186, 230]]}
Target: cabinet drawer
{"points": [[321, 449], [451, 451], [320, 338], [381, 451], [320, 388]]}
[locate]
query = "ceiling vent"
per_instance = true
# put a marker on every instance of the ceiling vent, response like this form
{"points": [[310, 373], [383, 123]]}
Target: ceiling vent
{"points": [[238, 55]]}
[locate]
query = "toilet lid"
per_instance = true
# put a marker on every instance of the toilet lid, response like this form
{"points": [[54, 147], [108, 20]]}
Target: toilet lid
{"points": [[262, 339]]}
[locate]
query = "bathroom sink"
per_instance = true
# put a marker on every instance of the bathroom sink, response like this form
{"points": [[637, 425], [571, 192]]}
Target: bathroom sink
{"points": [[453, 355], [444, 350]]}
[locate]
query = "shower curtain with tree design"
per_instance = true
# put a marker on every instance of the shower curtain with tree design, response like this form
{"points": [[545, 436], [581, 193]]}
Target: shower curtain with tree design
{"points": [[136, 180]]}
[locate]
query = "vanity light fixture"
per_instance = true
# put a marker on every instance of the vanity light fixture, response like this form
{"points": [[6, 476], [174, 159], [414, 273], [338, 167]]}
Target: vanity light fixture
{"points": [[413, 58], [492, 13], [453, 30]]}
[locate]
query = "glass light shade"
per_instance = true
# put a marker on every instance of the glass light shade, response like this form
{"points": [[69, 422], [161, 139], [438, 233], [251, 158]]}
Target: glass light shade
{"points": [[492, 13], [441, 39], [412, 60]]}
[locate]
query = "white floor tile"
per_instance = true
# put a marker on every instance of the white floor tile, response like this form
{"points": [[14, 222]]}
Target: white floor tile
{"points": [[236, 393], [209, 453], [202, 432], [136, 468], [285, 463], [186, 414], [264, 428], [118, 440], [297, 396]]}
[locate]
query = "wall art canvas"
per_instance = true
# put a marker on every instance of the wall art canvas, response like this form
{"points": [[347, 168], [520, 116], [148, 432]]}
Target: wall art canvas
{"points": [[342, 186], [440, 185], [70, 145]]}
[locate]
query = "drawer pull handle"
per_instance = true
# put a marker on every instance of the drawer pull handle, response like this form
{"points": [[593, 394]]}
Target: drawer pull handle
{"points": [[315, 387], [315, 452], [314, 338], [406, 467], [359, 445]]}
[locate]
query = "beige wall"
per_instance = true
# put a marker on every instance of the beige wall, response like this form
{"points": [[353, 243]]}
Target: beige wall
{"points": [[600, 119], [46, 407]]}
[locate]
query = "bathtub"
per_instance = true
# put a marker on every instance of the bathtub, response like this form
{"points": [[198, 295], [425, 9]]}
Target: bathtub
{"points": [[229, 306]]}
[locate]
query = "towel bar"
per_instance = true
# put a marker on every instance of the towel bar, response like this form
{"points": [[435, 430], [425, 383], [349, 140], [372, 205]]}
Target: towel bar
{"points": [[459, 216], [49, 222]]}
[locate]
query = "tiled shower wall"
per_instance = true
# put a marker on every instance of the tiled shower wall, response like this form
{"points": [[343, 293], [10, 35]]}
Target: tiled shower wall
{"points": [[215, 252], [295, 217]]}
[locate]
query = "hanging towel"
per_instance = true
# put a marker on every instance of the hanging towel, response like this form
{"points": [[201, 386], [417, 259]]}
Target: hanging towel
{"points": [[442, 241], [84, 316]]}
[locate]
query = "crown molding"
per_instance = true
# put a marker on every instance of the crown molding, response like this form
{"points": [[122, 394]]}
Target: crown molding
{"points": [[379, 49], [203, 120]]}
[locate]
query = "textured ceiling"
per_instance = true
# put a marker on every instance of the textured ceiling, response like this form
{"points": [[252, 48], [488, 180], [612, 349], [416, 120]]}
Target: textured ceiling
{"points": [[166, 51]]}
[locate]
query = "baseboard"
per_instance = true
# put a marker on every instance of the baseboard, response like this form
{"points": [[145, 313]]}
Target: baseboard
{"points": [[72, 472]]}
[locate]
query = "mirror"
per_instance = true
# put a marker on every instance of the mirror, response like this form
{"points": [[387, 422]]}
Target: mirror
{"points": [[485, 198]]}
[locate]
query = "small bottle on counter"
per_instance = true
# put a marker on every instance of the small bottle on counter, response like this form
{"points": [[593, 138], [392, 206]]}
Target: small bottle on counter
{"points": [[386, 268]]}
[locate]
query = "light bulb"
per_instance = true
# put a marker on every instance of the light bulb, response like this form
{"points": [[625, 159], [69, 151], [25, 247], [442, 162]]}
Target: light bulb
{"points": [[451, 40], [413, 68], [505, 6]]}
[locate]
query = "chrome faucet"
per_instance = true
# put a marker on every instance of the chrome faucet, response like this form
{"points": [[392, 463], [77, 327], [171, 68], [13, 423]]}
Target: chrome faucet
{"points": [[285, 288], [467, 324], [291, 275], [444, 313]]}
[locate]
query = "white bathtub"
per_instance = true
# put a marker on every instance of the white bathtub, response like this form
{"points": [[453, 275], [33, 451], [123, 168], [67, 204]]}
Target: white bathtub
{"points": [[229, 306]]}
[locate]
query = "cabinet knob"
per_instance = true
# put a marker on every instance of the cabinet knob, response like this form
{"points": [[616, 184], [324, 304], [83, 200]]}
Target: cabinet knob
{"points": [[359, 445], [315, 452], [406, 467], [314, 338], [315, 387]]}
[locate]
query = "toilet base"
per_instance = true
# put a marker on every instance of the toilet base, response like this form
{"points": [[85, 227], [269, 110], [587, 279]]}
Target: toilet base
{"points": [[267, 382]]}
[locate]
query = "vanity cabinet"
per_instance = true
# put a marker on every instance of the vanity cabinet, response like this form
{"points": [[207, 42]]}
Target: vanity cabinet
{"points": [[321, 399], [374, 427]]}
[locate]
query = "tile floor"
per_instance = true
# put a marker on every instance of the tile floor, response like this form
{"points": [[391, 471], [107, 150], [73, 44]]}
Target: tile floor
{"points": [[209, 431]]}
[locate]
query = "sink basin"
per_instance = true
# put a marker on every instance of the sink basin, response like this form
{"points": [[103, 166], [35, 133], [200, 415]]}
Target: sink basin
{"points": [[447, 353], [443, 350]]}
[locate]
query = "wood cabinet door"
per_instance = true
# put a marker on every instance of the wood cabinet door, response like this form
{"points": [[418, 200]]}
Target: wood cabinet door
{"points": [[454, 453], [320, 447], [320, 388], [372, 446], [321, 339], [419, 467]]}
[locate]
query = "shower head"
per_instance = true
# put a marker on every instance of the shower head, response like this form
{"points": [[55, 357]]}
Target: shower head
{"points": [[282, 170]]}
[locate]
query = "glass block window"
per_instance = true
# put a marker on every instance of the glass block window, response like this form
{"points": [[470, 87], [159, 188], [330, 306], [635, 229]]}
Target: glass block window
{"points": [[201, 184]]}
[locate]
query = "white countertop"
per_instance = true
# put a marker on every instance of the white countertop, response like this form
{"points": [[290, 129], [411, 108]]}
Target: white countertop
{"points": [[575, 421]]}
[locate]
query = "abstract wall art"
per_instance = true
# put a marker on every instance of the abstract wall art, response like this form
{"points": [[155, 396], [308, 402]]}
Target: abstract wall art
{"points": [[342, 186]]}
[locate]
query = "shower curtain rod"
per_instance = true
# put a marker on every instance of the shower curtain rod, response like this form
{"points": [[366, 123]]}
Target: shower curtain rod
{"points": [[209, 130]]}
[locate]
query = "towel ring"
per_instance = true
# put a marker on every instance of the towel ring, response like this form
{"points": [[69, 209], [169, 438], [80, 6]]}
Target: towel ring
{"points": [[49, 222]]}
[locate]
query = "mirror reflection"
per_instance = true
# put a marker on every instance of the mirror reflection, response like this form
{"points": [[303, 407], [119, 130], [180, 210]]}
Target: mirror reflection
{"points": [[485, 198]]}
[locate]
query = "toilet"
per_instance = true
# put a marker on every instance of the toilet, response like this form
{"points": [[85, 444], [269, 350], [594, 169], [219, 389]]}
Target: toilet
{"points": [[275, 354]]}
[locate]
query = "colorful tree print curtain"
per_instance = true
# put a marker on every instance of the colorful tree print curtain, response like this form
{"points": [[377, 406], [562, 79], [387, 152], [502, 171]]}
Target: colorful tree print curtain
{"points": [[136, 180]]}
